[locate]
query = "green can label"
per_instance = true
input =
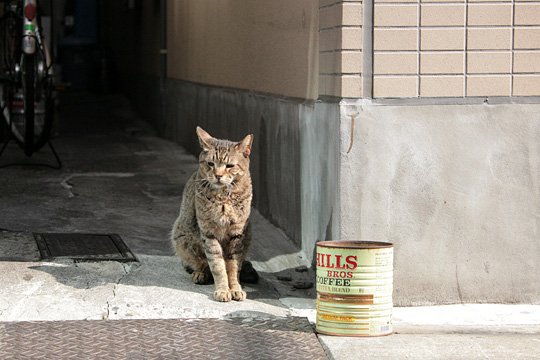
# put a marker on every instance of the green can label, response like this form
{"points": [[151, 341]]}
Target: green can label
{"points": [[346, 271]]}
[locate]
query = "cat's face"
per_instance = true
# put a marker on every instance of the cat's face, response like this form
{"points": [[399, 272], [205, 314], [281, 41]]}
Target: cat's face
{"points": [[223, 162]]}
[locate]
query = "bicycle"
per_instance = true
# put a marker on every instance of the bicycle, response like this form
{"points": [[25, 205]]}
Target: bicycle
{"points": [[26, 86]]}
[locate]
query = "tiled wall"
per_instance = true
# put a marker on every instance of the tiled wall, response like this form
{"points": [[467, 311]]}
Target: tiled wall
{"points": [[453, 48], [340, 48]]}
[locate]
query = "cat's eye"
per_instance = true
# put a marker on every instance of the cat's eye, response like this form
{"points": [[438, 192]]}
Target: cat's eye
{"points": [[211, 164], [228, 166]]}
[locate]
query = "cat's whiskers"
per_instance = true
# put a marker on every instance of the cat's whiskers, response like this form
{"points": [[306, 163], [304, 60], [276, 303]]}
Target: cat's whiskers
{"points": [[205, 182], [229, 189]]}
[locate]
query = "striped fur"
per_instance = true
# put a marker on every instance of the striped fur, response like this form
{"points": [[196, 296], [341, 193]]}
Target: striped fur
{"points": [[211, 233]]}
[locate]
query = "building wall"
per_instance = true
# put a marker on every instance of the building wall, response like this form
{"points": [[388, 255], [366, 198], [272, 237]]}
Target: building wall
{"points": [[294, 159], [441, 156], [456, 188], [456, 48], [263, 46], [238, 67], [419, 125], [340, 48]]}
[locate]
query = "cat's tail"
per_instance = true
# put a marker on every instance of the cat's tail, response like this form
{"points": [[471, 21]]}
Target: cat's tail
{"points": [[248, 274]]}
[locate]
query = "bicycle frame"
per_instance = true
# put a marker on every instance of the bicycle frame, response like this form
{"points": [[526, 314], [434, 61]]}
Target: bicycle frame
{"points": [[27, 100], [30, 27]]}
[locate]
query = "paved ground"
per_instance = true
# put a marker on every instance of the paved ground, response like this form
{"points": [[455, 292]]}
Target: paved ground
{"points": [[119, 177], [289, 338]]}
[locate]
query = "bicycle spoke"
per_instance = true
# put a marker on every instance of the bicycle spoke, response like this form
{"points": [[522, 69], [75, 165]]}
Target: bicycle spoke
{"points": [[26, 101]]}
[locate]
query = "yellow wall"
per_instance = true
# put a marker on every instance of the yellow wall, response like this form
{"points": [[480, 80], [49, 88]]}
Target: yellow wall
{"points": [[261, 45]]}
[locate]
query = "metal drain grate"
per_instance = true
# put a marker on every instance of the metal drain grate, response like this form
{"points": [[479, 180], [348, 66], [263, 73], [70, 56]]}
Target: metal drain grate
{"points": [[83, 247], [239, 338]]}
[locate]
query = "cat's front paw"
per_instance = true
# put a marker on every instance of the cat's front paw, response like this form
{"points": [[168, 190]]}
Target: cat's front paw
{"points": [[238, 295], [222, 295]]}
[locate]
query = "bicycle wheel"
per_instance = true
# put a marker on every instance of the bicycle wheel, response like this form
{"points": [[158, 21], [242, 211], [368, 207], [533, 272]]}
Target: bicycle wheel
{"points": [[26, 89], [11, 93], [29, 84], [27, 107]]}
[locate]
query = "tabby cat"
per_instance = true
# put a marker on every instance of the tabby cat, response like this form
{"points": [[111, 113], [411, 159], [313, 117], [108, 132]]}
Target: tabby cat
{"points": [[211, 234]]}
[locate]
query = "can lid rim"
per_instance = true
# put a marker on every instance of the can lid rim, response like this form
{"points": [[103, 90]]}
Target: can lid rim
{"points": [[355, 244]]}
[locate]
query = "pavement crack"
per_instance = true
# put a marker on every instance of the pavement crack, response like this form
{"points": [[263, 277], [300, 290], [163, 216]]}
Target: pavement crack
{"points": [[68, 185], [126, 269], [150, 195], [460, 294]]}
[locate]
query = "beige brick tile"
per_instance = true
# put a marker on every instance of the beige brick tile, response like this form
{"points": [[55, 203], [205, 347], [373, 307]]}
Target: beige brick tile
{"points": [[351, 62], [395, 39], [394, 1], [489, 38], [395, 63], [527, 61], [526, 85], [440, 1], [442, 15], [489, 14], [527, 38], [527, 14], [327, 2], [484, 85], [442, 39], [352, 14], [395, 86], [322, 85], [481, 1], [442, 86], [330, 17], [396, 15], [329, 39], [442, 63], [351, 38], [488, 62], [332, 85], [333, 63], [525, 1], [330, 63], [351, 86]]}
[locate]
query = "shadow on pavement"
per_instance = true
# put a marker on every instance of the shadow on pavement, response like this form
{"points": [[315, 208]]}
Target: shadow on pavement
{"points": [[119, 177]]}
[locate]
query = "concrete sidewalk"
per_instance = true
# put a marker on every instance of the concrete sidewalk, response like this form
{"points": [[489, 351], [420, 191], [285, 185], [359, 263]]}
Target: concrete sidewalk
{"points": [[118, 177], [157, 287]]}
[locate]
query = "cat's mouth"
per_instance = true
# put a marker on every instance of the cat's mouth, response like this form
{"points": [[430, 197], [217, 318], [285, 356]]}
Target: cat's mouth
{"points": [[220, 183]]}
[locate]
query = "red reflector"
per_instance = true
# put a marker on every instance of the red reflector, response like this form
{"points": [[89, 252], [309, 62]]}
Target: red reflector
{"points": [[30, 11]]}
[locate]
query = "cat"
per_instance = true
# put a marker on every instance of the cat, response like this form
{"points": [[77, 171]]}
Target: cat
{"points": [[211, 234]]}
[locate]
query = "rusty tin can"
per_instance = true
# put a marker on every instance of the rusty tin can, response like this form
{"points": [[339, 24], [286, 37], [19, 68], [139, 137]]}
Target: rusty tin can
{"points": [[354, 288]]}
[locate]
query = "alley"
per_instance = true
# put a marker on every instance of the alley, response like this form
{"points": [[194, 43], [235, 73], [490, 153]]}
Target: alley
{"points": [[117, 177]]}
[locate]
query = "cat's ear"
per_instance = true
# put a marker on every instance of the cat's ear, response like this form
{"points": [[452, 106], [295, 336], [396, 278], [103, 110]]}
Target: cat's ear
{"points": [[204, 139], [244, 146]]}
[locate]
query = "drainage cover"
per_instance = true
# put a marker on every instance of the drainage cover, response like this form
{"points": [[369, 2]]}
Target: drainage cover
{"points": [[237, 338], [83, 246]]}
